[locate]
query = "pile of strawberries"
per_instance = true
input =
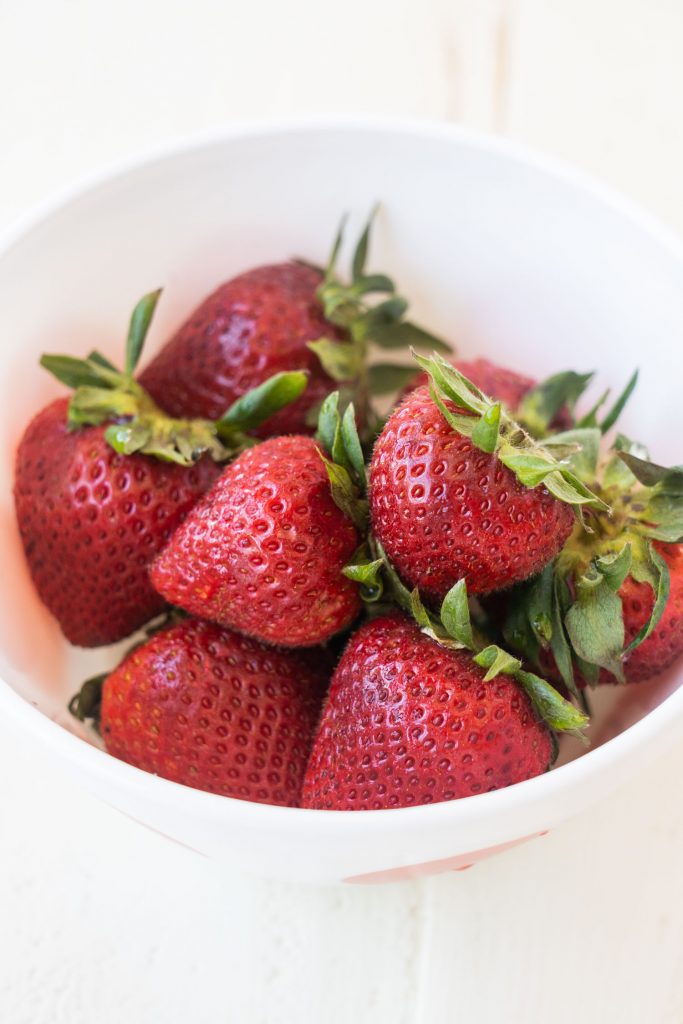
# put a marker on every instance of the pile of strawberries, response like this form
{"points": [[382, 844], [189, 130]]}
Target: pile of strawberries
{"points": [[341, 610]]}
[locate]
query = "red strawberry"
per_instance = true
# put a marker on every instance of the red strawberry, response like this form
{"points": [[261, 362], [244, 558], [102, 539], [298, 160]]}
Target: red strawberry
{"points": [[445, 510], [91, 522], [410, 722], [104, 478], [500, 384], [263, 552], [211, 709], [250, 328]]}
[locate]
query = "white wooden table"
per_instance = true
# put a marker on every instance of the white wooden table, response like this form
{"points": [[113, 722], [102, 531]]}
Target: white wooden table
{"points": [[102, 922]]}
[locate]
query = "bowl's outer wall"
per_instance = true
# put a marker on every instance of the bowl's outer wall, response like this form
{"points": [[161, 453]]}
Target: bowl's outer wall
{"points": [[498, 254]]}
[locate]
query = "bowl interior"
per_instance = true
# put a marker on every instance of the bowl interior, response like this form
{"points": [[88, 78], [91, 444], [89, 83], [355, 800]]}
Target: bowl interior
{"points": [[498, 254]]}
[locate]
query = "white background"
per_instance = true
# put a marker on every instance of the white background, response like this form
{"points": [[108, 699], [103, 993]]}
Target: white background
{"points": [[103, 922]]}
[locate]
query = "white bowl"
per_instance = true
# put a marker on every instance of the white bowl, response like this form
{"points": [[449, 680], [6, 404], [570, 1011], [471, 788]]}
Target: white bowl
{"points": [[501, 251]]}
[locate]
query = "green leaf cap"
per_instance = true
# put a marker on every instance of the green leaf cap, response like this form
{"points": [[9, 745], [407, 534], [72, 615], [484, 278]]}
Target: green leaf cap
{"points": [[344, 461], [368, 311], [574, 608], [102, 394], [542, 403], [453, 628], [491, 429]]}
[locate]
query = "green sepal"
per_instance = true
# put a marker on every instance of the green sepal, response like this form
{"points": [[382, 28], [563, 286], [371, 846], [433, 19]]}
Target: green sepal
{"points": [[543, 402], [338, 435], [345, 494], [345, 306], [101, 361], [91, 406], [618, 407], [352, 445], [595, 623], [103, 394], [591, 420], [579, 449], [517, 630], [418, 610], [329, 423], [453, 629], [262, 402], [589, 671], [559, 645], [496, 661], [659, 506], [360, 254], [406, 335], [137, 331], [341, 360], [531, 463], [336, 246], [485, 433], [650, 474], [651, 568], [559, 714], [385, 378], [367, 572], [455, 615], [76, 373]]}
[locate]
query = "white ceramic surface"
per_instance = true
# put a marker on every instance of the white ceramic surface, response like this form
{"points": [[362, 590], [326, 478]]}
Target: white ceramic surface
{"points": [[502, 252]]}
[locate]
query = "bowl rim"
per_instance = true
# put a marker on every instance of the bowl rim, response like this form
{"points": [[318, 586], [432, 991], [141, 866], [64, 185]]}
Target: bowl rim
{"points": [[456, 814]]}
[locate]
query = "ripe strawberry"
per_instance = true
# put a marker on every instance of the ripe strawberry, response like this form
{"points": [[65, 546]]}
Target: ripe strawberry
{"points": [[250, 328], [104, 478], [264, 550], [445, 510], [288, 316], [208, 708], [408, 721], [91, 522]]}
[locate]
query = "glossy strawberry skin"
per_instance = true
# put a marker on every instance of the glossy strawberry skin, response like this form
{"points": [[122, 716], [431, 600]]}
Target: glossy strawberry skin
{"points": [[408, 722], [444, 510], [263, 552], [251, 327], [499, 383], [91, 522], [214, 710]]}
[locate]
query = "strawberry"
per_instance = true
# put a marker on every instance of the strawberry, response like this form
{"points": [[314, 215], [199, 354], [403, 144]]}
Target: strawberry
{"points": [[91, 522], [103, 480], [251, 327], [264, 550], [287, 316], [208, 708], [610, 607], [408, 722], [458, 491]]}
